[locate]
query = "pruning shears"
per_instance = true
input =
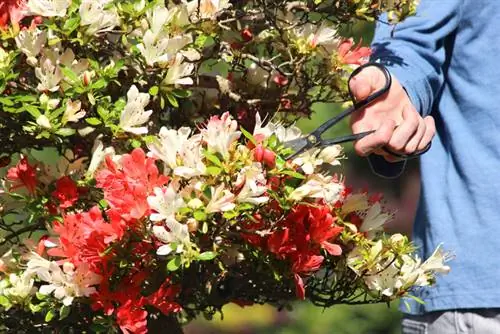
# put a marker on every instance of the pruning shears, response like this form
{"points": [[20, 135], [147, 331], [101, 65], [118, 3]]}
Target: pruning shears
{"points": [[314, 140]]}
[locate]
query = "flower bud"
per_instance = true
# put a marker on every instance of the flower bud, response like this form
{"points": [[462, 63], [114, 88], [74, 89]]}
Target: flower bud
{"points": [[87, 77], [265, 155], [247, 35], [269, 158], [280, 80], [258, 153]]}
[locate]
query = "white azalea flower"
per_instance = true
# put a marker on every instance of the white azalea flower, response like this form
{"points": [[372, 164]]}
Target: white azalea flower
{"points": [[221, 200], [21, 287], [48, 74], [206, 9], [436, 262], [319, 186], [355, 203], [99, 153], [48, 8], [252, 184], [308, 161], [134, 115], [330, 155], [77, 66], [73, 112], [285, 134], [165, 202], [98, 19], [172, 232], [161, 49], [374, 219], [66, 283], [158, 17], [191, 155], [220, 134], [384, 278], [30, 42], [313, 36], [169, 145], [179, 73]]}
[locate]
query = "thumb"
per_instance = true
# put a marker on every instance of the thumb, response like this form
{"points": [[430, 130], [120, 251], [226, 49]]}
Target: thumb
{"points": [[369, 80]]}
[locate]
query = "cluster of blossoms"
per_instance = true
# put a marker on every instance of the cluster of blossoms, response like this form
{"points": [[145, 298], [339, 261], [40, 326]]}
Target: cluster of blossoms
{"points": [[140, 183], [221, 196]]}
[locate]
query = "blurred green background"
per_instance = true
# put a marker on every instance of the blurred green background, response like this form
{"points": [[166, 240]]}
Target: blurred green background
{"points": [[400, 195]]}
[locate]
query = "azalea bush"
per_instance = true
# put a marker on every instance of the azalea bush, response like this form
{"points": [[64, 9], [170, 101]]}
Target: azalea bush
{"points": [[146, 180]]}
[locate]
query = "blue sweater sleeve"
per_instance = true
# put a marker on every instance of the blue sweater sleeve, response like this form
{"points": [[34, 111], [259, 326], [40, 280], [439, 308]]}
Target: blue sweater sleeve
{"points": [[414, 52]]}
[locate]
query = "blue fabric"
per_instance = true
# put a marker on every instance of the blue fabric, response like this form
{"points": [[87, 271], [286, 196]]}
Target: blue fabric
{"points": [[447, 58]]}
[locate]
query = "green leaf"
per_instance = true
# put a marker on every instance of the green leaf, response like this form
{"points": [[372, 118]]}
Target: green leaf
{"points": [[5, 302], [212, 158], [294, 174], [200, 215], [172, 100], [135, 143], [97, 328], [214, 170], [49, 316], [64, 312], [71, 24], [280, 162], [207, 256], [174, 264], [103, 204], [93, 121], [230, 214], [415, 298], [6, 101], [154, 90], [34, 111], [69, 74], [91, 98], [181, 93], [65, 132], [99, 84], [40, 296], [248, 135]]}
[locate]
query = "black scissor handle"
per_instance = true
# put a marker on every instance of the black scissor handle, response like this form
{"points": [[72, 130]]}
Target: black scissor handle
{"points": [[376, 95], [357, 104], [408, 156]]}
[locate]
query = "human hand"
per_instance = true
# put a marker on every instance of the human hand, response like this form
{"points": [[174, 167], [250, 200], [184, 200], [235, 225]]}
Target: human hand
{"points": [[397, 124]]}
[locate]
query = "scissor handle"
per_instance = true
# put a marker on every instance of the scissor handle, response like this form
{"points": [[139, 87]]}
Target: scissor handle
{"points": [[408, 156], [357, 104], [376, 95]]}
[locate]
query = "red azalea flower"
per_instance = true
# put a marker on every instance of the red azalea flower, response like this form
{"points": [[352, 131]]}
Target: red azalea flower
{"points": [[300, 290], [24, 175], [66, 192], [163, 298], [127, 187], [357, 56], [132, 319], [83, 238], [305, 263], [11, 10]]}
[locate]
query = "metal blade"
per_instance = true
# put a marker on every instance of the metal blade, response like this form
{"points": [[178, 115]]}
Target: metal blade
{"points": [[297, 145]]}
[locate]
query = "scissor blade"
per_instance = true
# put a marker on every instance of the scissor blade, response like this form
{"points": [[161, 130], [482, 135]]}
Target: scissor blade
{"points": [[296, 145]]}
